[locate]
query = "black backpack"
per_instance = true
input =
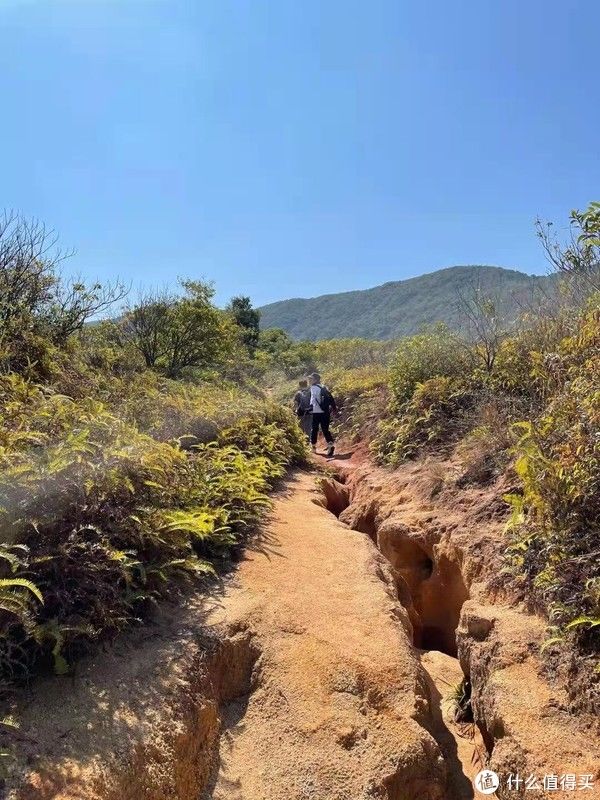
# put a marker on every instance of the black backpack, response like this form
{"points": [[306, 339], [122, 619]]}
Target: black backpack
{"points": [[304, 406], [326, 400]]}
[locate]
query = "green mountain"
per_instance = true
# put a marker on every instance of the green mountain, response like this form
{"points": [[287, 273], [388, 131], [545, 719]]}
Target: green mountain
{"points": [[400, 308]]}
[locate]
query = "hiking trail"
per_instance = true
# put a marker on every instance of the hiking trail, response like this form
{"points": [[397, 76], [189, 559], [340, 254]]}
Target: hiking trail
{"points": [[297, 680], [338, 685]]}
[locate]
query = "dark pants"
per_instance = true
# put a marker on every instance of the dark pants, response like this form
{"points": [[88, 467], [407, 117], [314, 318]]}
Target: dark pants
{"points": [[323, 421], [306, 424]]}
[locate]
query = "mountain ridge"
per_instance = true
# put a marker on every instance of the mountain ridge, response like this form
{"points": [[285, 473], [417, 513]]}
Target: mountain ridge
{"points": [[399, 308]]}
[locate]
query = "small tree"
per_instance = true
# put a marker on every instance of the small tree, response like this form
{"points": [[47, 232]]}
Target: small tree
{"points": [[282, 353], [481, 320], [579, 259], [175, 333], [248, 318], [38, 308], [32, 293], [146, 325], [274, 341]]}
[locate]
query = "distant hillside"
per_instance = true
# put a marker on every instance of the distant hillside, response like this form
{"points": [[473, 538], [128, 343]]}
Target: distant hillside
{"points": [[399, 308]]}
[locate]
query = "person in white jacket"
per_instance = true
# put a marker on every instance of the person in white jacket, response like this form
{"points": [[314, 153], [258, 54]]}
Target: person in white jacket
{"points": [[322, 404]]}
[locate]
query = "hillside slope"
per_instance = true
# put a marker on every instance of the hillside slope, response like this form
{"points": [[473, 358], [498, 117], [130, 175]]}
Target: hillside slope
{"points": [[398, 308]]}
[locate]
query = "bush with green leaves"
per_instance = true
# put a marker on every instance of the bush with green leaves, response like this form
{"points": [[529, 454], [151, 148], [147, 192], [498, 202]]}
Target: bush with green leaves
{"points": [[350, 354], [555, 529], [362, 395], [436, 352], [271, 434], [438, 412], [99, 520], [176, 334]]}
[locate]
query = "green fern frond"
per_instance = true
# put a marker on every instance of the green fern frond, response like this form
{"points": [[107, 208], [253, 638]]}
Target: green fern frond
{"points": [[10, 583], [591, 622]]}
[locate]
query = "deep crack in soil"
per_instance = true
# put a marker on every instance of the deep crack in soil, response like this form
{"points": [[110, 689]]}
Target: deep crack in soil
{"points": [[433, 593]]}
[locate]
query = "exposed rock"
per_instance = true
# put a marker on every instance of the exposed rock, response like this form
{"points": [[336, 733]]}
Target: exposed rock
{"points": [[523, 719]]}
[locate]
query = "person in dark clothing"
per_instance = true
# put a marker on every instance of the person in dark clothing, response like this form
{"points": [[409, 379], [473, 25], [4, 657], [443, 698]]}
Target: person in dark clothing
{"points": [[323, 404], [302, 408]]}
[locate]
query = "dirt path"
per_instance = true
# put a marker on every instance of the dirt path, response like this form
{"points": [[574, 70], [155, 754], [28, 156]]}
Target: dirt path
{"points": [[337, 686], [297, 678]]}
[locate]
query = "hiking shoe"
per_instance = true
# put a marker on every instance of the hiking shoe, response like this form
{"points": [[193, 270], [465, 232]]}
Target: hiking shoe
{"points": [[330, 451]]}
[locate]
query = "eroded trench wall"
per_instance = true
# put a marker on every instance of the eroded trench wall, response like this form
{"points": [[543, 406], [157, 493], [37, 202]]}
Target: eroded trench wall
{"points": [[426, 568], [174, 753]]}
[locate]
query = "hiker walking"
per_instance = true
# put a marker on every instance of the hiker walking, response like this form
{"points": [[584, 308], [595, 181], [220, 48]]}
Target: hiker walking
{"points": [[323, 404], [302, 407]]}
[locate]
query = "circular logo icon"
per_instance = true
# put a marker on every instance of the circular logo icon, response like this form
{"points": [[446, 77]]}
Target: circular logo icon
{"points": [[486, 781]]}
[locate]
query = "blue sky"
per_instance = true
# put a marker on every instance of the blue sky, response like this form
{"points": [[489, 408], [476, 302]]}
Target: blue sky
{"points": [[297, 147]]}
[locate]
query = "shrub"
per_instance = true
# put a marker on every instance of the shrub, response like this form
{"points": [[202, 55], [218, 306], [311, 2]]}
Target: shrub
{"points": [[483, 452], [349, 354], [100, 520], [362, 395], [556, 521], [279, 354], [517, 367], [273, 434], [433, 353], [435, 414]]}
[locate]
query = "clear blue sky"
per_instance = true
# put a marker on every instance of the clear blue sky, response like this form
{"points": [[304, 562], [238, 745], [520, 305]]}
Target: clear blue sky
{"points": [[297, 147]]}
